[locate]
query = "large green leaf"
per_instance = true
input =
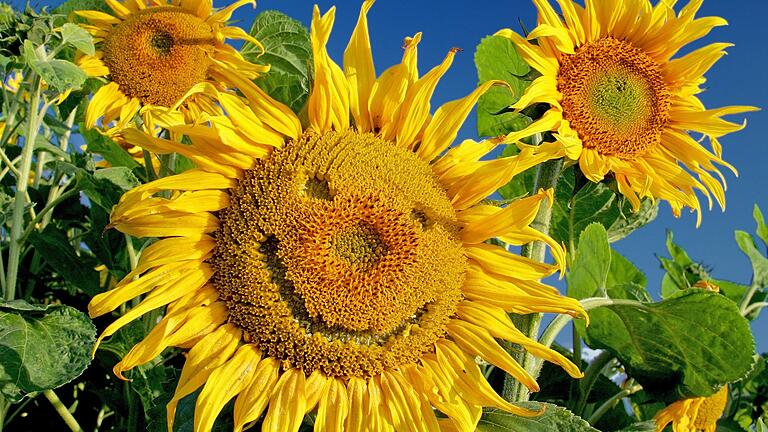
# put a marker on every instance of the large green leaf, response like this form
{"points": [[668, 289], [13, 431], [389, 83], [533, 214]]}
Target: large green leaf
{"points": [[287, 49], [685, 346], [497, 59], [42, 347], [594, 202], [60, 75], [554, 418], [589, 272]]}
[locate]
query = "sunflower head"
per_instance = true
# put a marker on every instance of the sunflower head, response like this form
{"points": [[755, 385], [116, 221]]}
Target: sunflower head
{"points": [[342, 266], [160, 56], [621, 104]]}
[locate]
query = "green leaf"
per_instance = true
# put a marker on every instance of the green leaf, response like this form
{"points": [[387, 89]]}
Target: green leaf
{"points": [[759, 261], [554, 418], [60, 75], [287, 49], [497, 59], [589, 271], [115, 155], [685, 346], [119, 176], [42, 347], [593, 202], [762, 229], [76, 36], [42, 144], [54, 248], [623, 271]]}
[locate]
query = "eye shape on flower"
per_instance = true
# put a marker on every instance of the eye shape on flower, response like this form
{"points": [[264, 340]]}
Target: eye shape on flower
{"points": [[621, 104], [340, 266], [152, 55]]}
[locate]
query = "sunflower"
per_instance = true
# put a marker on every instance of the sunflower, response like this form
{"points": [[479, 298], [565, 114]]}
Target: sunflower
{"points": [[341, 267], [693, 415], [620, 103], [152, 53]]}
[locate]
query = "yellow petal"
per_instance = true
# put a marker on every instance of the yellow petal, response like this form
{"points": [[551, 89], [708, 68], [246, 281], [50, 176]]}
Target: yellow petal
{"points": [[358, 405], [448, 119], [359, 69], [227, 381], [496, 259], [329, 100], [333, 407], [499, 325], [286, 406], [414, 111], [173, 330], [254, 398], [478, 341], [208, 354], [470, 383]]}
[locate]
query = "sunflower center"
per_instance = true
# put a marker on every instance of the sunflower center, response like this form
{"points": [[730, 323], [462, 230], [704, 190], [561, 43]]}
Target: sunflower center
{"points": [[340, 252], [614, 97], [159, 53], [361, 244]]}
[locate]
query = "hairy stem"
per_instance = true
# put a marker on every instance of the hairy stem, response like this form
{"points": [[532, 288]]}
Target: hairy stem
{"points": [[546, 178], [14, 250]]}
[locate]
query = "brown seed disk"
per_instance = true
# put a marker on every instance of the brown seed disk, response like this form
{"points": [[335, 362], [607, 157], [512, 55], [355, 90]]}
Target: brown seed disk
{"points": [[614, 97], [339, 252], [158, 54]]}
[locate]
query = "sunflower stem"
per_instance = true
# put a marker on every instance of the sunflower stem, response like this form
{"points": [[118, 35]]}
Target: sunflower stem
{"points": [[62, 410], [22, 181], [546, 178]]}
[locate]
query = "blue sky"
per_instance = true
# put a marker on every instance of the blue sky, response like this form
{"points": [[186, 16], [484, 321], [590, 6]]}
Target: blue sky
{"points": [[738, 79]]}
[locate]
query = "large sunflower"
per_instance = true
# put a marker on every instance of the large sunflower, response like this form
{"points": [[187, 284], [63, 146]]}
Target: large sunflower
{"points": [[621, 104], [341, 267], [153, 52], [693, 415]]}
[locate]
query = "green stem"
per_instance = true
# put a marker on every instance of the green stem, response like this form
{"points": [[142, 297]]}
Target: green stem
{"points": [[14, 251], [748, 298], [62, 411], [4, 406], [132, 256], [612, 402], [753, 307], [546, 178], [593, 372]]}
